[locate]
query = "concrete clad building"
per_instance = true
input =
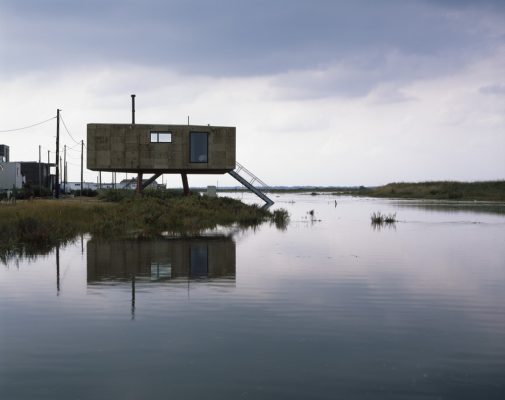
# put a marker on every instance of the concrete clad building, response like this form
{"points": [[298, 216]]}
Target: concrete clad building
{"points": [[141, 148], [167, 149]]}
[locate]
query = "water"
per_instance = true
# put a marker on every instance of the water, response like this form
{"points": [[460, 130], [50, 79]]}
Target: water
{"points": [[329, 308]]}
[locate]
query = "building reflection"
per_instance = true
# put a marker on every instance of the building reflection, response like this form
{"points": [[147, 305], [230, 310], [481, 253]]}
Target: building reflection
{"points": [[161, 260], [208, 259]]}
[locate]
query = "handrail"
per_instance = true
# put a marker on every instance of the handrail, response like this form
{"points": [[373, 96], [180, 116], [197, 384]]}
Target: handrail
{"points": [[248, 183], [252, 178]]}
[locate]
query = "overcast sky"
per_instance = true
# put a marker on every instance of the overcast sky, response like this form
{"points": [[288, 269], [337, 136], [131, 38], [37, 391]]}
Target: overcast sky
{"points": [[321, 92]]}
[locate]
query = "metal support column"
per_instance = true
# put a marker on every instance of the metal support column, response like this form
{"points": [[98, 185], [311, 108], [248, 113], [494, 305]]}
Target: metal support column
{"points": [[185, 185]]}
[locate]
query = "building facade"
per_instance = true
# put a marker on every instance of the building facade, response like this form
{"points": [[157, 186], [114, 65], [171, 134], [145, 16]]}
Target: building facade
{"points": [[32, 170], [140, 148]]}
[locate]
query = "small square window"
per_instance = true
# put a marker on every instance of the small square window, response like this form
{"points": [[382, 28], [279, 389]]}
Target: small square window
{"points": [[161, 137]]}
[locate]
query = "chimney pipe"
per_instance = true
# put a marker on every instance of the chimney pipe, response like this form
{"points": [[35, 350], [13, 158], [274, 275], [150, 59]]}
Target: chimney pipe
{"points": [[133, 109]]}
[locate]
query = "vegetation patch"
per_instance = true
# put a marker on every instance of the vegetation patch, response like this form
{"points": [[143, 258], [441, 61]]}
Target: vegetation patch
{"points": [[30, 227], [379, 218]]}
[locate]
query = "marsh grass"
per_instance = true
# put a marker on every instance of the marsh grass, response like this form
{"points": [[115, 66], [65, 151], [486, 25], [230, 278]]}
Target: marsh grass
{"points": [[37, 226], [281, 219], [379, 218]]}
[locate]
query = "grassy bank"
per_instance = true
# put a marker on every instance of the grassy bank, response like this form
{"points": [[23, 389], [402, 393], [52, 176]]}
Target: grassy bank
{"points": [[37, 226], [445, 190]]}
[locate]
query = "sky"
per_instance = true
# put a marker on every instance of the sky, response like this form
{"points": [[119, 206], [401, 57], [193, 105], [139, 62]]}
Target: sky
{"points": [[322, 92]]}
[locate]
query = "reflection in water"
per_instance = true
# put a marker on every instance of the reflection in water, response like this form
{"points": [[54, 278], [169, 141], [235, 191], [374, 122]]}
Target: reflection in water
{"points": [[454, 207], [160, 260], [379, 225]]}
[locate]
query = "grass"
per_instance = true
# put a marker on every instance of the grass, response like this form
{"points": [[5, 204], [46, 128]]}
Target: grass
{"points": [[30, 227], [379, 219]]}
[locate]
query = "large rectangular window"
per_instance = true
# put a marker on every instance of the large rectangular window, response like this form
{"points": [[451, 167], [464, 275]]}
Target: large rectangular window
{"points": [[161, 137], [198, 147]]}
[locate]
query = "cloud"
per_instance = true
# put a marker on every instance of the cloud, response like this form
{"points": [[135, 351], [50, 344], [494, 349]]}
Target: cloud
{"points": [[231, 37], [333, 92], [497, 89]]}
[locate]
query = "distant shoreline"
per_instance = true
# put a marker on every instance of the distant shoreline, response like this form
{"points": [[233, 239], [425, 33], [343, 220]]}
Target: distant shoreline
{"points": [[430, 190]]}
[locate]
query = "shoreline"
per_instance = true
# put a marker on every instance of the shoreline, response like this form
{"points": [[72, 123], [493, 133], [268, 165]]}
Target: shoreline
{"points": [[36, 226], [454, 191]]}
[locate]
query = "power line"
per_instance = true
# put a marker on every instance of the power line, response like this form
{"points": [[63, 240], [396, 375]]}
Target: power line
{"points": [[65, 125], [72, 157], [74, 146], [72, 149], [26, 127]]}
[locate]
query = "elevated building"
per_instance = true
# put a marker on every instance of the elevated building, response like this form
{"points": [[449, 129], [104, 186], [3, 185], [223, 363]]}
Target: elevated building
{"points": [[166, 149], [161, 149]]}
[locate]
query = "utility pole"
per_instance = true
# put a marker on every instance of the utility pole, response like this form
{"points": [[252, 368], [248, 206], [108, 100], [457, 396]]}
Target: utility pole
{"points": [[40, 177], [57, 189], [61, 169], [65, 169], [82, 151]]}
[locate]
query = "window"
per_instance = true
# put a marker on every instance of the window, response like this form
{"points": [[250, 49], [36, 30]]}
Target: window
{"points": [[161, 137], [198, 147]]}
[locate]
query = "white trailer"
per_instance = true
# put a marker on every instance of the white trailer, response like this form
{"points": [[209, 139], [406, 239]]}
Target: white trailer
{"points": [[10, 176]]}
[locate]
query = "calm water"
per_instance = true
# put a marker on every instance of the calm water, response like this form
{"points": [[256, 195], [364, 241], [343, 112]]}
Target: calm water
{"points": [[330, 308]]}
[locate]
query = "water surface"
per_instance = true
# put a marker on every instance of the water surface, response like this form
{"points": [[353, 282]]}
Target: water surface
{"points": [[329, 308]]}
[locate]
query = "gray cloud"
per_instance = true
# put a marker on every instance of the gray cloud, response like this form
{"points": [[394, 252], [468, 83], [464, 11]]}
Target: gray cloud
{"points": [[493, 89], [244, 38]]}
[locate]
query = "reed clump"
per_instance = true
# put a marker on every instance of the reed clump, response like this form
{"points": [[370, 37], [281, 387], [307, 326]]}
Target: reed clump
{"points": [[379, 218], [281, 218]]}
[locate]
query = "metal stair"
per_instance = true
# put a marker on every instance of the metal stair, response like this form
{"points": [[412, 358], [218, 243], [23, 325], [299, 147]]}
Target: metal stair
{"points": [[247, 178]]}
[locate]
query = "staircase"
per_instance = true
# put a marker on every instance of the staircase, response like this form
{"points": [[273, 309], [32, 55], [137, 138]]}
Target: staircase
{"points": [[248, 179]]}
